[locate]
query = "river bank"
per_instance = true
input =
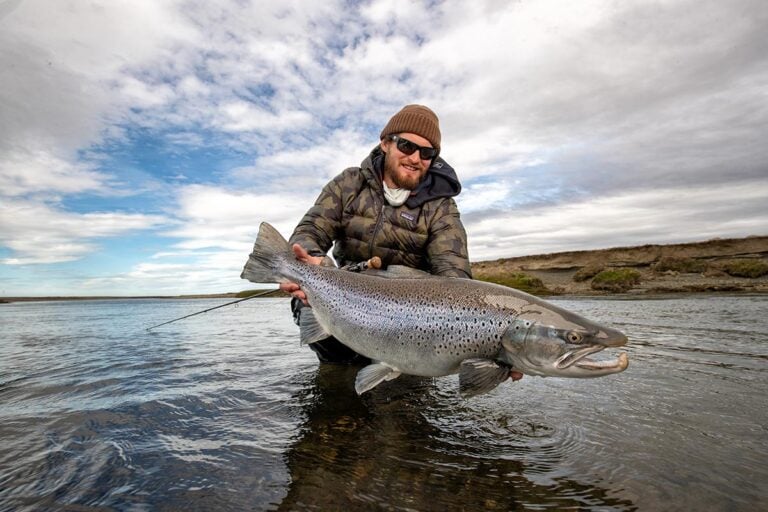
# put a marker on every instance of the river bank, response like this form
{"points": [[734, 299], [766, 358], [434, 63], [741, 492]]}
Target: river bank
{"points": [[657, 269]]}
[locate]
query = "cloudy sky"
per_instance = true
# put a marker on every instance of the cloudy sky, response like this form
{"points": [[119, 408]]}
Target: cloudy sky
{"points": [[142, 142]]}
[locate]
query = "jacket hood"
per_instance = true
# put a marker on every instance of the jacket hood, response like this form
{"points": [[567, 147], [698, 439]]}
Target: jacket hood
{"points": [[440, 180]]}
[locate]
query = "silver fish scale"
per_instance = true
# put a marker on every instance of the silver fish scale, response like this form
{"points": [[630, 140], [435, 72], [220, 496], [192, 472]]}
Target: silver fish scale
{"points": [[420, 326]]}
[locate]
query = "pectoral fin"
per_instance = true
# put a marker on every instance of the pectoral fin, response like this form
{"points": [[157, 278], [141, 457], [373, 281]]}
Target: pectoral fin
{"points": [[477, 376], [310, 329], [373, 375]]}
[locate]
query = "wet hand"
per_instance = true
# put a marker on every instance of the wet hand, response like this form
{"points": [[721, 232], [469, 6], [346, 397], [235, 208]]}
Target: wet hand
{"points": [[295, 291], [303, 255], [293, 288]]}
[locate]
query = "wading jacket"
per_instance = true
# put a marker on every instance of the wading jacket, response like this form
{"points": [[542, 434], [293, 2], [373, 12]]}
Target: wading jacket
{"points": [[352, 215]]}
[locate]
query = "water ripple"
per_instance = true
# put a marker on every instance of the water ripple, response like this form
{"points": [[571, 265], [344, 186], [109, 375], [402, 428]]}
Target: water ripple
{"points": [[227, 412]]}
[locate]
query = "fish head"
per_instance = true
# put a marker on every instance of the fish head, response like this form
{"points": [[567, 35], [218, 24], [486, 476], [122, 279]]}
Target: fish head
{"points": [[549, 341]]}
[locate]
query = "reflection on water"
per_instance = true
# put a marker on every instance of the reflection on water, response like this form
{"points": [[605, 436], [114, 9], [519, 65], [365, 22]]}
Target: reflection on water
{"points": [[383, 451], [227, 412]]}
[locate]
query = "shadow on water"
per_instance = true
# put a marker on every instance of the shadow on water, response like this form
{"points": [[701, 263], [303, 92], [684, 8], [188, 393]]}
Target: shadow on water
{"points": [[381, 450]]}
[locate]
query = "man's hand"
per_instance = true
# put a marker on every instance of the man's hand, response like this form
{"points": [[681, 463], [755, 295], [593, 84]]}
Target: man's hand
{"points": [[293, 288]]}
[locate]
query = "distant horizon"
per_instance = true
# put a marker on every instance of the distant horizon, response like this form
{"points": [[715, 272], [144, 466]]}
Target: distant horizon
{"points": [[255, 286], [141, 144]]}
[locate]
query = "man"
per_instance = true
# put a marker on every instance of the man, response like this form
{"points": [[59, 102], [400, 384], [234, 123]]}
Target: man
{"points": [[398, 205]]}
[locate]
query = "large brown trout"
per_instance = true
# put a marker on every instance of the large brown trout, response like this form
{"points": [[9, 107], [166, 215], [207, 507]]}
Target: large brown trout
{"points": [[408, 321]]}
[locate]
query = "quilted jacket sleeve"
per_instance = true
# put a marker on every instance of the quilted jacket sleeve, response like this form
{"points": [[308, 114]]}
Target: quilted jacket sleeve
{"points": [[321, 224], [447, 247]]}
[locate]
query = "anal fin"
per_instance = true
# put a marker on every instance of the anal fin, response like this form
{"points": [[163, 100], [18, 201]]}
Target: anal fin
{"points": [[478, 376], [373, 375], [310, 329]]}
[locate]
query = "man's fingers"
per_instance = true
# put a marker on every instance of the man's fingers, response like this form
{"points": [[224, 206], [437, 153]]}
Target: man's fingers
{"points": [[301, 296], [289, 287], [302, 255], [300, 252]]}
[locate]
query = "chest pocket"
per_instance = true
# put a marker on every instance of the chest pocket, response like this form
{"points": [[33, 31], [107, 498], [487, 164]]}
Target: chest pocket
{"points": [[404, 231]]}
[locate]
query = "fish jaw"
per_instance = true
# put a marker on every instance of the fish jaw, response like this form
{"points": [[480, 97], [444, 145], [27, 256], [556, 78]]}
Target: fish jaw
{"points": [[572, 362], [589, 368], [549, 351], [575, 363]]}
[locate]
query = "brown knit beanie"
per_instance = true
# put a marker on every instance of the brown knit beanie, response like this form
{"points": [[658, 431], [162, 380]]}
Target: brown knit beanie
{"points": [[416, 119]]}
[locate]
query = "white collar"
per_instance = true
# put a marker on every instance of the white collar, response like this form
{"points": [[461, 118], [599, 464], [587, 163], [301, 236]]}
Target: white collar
{"points": [[396, 196]]}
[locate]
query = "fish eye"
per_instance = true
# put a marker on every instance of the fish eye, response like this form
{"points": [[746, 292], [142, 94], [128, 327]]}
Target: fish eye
{"points": [[574, 337]]}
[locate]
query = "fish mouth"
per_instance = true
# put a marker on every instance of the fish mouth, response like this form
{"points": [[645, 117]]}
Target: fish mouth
{"points": [[579, 359]]}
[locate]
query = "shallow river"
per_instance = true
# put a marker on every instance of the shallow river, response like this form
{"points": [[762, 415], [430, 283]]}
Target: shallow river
{"points": [[225, 411]]}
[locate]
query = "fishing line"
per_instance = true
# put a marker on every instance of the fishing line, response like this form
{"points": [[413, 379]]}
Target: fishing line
{"points": [[211, 309]]}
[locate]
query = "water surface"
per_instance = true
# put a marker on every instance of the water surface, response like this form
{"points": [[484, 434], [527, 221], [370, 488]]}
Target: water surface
{"points": [[224, 411]]}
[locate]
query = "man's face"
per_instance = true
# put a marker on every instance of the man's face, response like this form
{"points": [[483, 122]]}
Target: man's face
{"points": [[401, 170]]}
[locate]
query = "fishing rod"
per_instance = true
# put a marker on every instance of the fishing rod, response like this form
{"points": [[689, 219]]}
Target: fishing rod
{"points": [[373, 263], [211, 309]]}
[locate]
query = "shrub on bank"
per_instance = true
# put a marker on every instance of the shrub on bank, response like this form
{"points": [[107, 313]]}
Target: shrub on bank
{"points": [[616, 280], [682, 265], [588, 272], [751, 267], [519, 281]]}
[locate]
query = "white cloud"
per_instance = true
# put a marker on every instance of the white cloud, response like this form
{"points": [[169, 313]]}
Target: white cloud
{"points": [[214, 217], [140, 94], [65, 60], [243, 116], [659, 216], [216, 230], [301, 172], [568, 122], [192, 272], [170, 279], [40, 234], [481, 196], [23, 173]]}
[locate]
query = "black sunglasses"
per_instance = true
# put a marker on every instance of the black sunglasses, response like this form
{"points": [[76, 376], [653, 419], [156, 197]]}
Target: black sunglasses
{"points": [[408, 148]]}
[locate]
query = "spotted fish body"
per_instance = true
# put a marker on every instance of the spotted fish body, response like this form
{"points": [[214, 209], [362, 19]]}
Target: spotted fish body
{"points": [[405, 321], [414, 323]]}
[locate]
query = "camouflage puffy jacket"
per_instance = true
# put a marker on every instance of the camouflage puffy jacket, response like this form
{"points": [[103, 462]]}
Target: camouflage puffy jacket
{"points": [[424, 233]]}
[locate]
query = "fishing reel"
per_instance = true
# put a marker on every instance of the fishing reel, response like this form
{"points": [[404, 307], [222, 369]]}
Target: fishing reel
{"points": [[361, 266]]}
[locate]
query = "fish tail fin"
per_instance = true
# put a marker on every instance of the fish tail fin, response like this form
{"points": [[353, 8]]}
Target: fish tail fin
{"points": [[270, 251]]}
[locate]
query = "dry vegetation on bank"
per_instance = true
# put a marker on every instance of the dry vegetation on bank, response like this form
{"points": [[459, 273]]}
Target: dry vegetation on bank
{"points": [[727, 265]]}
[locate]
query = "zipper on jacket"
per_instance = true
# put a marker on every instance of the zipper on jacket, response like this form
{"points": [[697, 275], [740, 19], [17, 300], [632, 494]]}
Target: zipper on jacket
{"points": [[376, 230]]}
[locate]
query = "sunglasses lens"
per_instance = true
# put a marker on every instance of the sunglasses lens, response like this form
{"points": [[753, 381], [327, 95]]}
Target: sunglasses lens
{"points": [[427, 153], [408, 148]]}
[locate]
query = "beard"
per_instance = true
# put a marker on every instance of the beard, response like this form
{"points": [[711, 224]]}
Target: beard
{"points": [[401, 180]]}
